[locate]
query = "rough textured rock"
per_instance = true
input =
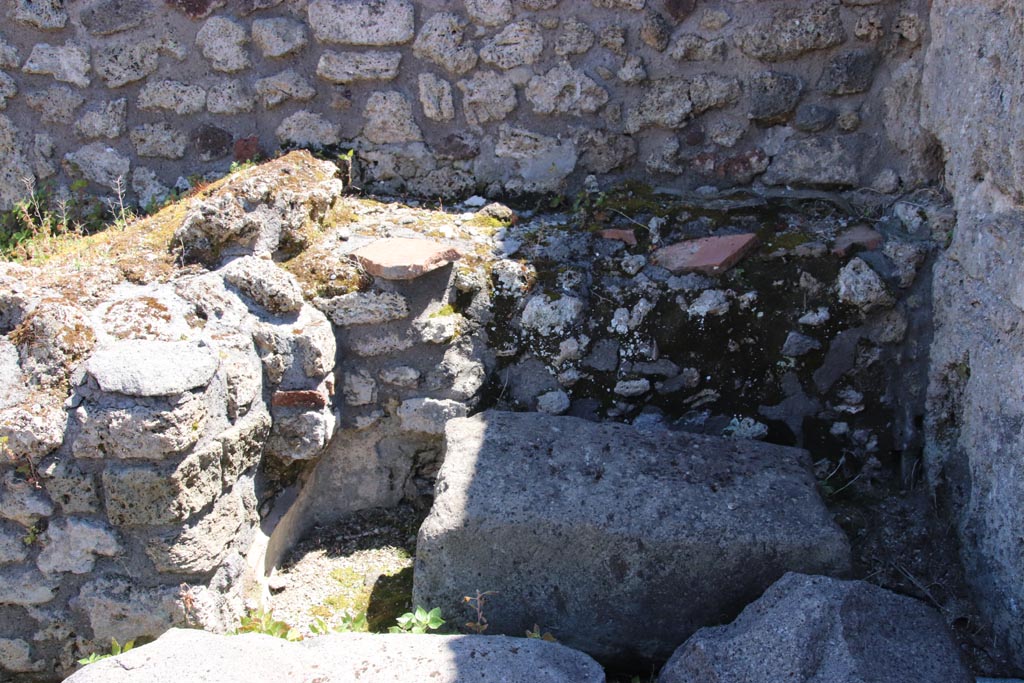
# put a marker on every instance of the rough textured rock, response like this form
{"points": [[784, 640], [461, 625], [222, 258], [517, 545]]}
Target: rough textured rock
{"points": [[774, 96], [364, 308], [72, 546], [487, 96], [564, 90], [251, 214], [519, 43], [605, 484], [105, 121], [159, 140], [223, 41], [279, 88], [389, 119], [441, 41], [973, 451], [793, 31], [136, 367], [68, 63], [384, 658], [306, 129], [265, 283], [436, 98], [279, 36], [14, 168], [816, 162], [174, 96], [346, 67], [813, 628], [123, 63], [387, 22]]}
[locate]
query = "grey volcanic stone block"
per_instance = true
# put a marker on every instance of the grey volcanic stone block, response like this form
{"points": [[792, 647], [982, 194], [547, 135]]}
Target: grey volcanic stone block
{"points": [[138, 367], [620, 541], [813, 628], [343, 657]]}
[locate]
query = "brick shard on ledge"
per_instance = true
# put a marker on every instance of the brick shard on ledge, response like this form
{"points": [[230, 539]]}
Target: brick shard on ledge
{"points": [[305, 398], [404, 258], [708, 255]]}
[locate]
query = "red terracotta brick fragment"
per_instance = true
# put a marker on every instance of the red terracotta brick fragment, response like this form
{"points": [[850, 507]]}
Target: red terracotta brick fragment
{"points": [[857, 236], [627, 236], [404, 258], [307, 398], [708, 255]]}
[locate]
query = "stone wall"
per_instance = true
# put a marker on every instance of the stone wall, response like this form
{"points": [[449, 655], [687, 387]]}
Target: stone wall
{"points": [[974, 103], [441, 98]]}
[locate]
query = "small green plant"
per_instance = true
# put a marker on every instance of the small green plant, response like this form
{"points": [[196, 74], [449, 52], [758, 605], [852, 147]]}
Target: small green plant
{"points": [[239, 166], [31, 535], [116, 648], [263, 621], [476, 603], [536, 634], [418, 621], [349, 623]]}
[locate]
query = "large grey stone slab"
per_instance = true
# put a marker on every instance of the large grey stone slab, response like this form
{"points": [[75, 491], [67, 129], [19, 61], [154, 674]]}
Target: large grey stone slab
{"points": [[622, 542], [143, 367], [340, 658], [807, 629]]}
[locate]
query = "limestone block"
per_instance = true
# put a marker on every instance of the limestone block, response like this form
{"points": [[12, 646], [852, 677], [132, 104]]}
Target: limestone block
{"points": [[222, 41], [106, 120], [148, 189], [68, 63], [441, 41], [16, 655], [364, 308], [14, 168], [389, 119], [436, 98], [230, 96], [299, 434], [201, 545], [25, 585], [159, 140], [47, 15], [138, 367], [815, 161], [108, 17], [173, 96], [265, 283], [12, 547], [242, 445], [489, 12], [296, 352], [849, 73], [147, 495], [609, 487], [791, 32], [279, 88], [487, 96], [564, 90], [353, 22], [519, 43], [279, 37], [574, 38], [306, 129], [859, 285], [348, 67], [119, 64], [150, 429], [117, 608], [56, 104], [429, 415], [74, 490], [773, 95], [10, 58], [694, 48], [72, 544], [22, 502]]}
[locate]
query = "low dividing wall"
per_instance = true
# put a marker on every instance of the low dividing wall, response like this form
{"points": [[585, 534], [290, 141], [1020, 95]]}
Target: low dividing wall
{"points": [[440, 98]]}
